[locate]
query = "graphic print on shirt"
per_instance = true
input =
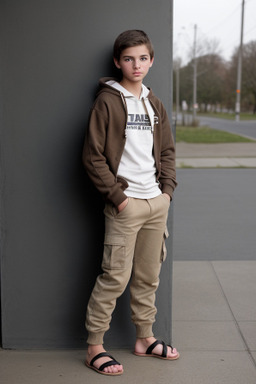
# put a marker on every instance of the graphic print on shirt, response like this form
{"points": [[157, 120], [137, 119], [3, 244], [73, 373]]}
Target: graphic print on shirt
{"points": [[139, 122]]}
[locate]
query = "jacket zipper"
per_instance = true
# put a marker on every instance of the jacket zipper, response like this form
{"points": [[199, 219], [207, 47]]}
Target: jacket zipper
{"points": [[126, 112], [146, 109]]}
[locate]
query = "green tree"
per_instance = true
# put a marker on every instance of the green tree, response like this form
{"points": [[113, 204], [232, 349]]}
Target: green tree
{"points": [[217, 80], [211, 72], [249, 74], [248, 87]]}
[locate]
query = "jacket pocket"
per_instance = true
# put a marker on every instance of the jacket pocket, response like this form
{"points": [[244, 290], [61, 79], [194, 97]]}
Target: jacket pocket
{"points": [[164, 249], [123, 182], [114, 256]]}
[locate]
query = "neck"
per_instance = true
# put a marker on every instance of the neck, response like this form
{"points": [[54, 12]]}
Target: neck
{"points": [[134, 88]]}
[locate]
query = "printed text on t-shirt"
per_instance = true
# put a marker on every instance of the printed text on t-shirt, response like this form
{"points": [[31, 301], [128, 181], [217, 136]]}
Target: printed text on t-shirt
{"points": [[138, 121]]}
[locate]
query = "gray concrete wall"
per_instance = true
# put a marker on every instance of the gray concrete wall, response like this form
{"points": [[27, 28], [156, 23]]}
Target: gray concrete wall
{"points": [[53, 53]]}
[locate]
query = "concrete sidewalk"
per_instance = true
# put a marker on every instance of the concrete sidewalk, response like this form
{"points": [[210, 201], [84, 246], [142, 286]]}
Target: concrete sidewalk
{"points": [[214, 328], [214, 317], [228, 155]]}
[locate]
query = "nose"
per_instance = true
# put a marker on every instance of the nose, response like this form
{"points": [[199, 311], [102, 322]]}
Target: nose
{"points": [[136, 63]]}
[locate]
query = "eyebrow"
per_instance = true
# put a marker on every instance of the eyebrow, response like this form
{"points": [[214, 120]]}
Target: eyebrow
{"points": [[144, 55]]}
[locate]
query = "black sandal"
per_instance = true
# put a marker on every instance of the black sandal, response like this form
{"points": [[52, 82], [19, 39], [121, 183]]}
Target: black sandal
{"points": [[164, 352], [107, 364]]}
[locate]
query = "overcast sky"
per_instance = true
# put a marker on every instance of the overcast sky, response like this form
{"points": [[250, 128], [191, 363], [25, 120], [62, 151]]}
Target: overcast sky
{"points": [[218, 19]]}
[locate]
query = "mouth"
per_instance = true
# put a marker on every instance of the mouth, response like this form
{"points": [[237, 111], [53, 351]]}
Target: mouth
{"points": [[137, 73]]}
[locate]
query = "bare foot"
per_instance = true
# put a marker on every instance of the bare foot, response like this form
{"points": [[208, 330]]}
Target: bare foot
{"points": [[94, 350], [142, 345]]}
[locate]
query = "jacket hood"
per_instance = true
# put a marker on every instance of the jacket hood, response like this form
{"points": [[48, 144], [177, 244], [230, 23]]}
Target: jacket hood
{"points": [[104, 87]]}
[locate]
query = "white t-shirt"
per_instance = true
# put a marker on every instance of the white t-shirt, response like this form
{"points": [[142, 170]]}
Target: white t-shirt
{"points": [[137, 163]]}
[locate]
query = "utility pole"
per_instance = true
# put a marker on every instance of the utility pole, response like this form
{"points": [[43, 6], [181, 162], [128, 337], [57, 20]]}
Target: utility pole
{"points": [[239, 67], [194, 78], [177, 88]]}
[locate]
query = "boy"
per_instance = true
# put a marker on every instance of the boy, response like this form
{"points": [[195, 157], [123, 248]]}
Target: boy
{"points": [[129, 155]]}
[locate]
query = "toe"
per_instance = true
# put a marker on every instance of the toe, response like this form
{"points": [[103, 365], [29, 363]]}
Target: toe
{"points": [[113, 369], [172, 352]]}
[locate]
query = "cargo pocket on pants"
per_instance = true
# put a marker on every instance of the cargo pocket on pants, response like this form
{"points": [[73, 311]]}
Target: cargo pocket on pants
{"points": [[164, 249], [114, 256]]}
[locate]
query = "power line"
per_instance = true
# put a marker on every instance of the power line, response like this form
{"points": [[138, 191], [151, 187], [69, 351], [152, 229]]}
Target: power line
{"points": [[225, 31], [246, 33], [224, 20]]}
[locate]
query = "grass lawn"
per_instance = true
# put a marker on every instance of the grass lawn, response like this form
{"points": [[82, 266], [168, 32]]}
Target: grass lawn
{"points": [[207, 135], [228, 116]]}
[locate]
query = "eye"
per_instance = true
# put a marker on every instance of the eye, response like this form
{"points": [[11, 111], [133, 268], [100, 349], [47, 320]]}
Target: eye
{"points": [[144, 58], [127, 59]]}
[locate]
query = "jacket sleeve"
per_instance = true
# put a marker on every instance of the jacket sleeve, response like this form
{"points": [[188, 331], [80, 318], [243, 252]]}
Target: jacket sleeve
{"points": [[167, 177], [94, 159]]}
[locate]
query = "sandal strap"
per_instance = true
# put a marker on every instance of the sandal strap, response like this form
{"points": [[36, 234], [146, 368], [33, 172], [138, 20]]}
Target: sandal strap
{"points": [[164, 353], [152, 346], [107, 364], [157, 342], [104, 365]]}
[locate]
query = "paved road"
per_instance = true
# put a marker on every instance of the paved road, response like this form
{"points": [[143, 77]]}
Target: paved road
{"points": [[215, 214], [245, 128]]}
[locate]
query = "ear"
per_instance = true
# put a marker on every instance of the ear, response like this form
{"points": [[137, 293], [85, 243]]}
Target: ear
{"points": [[151, 62], [116, 63]]}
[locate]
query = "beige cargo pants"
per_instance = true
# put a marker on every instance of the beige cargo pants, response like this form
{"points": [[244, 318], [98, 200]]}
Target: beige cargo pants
{"points": [[134, 249]]}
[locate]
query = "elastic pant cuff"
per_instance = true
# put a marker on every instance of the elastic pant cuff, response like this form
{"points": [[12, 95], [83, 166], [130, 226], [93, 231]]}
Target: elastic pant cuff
{"points": [[95, 338], [143, 331]]}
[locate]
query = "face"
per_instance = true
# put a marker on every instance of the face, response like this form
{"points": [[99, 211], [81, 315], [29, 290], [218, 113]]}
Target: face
{"points": [[134, 63]]}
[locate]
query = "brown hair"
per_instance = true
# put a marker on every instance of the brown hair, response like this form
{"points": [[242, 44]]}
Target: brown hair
{"points": [[131, 38]]}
